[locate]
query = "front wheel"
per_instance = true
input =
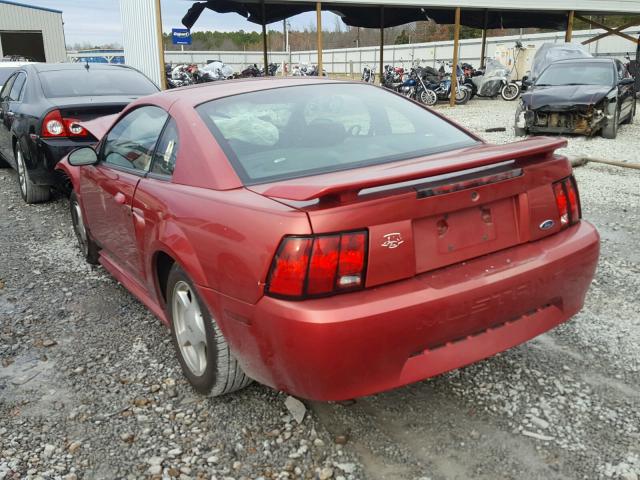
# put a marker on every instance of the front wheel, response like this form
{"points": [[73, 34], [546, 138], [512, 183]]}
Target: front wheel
{"points": [[202, 350], [428, 97], [30, 192], [463, 95], [610, 130], [510, 91]]}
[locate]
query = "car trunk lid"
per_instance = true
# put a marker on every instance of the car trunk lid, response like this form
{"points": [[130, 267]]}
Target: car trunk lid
{"points": [[435, 211]]}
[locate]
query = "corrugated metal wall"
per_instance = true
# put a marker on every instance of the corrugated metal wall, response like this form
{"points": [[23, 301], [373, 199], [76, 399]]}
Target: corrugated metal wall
{"points": [[352, 60], [15, 18], [139, 37]]}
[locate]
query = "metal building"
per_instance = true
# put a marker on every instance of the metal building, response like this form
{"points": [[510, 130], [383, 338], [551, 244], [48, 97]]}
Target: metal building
{"points": [[33, 32]]}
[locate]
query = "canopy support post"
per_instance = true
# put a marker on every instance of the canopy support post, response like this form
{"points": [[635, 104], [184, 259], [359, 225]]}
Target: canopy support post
{"points": [[456, 59], [483, 52], [568, 36], [381, 69], [319, 36], [264, 39]]}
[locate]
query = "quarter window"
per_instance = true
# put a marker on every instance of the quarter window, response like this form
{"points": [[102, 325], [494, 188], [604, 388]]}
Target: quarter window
{"points": [[4, 94], [16, 89], [131, 142], [164, 160]]}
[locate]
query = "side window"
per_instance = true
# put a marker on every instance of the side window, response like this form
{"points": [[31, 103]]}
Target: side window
{"points": [[164, 160], [16, 89], [7, 87], [131, 141]]}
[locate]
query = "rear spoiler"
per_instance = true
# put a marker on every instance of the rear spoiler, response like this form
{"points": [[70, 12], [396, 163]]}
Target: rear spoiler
{"points": [[347, 185]]}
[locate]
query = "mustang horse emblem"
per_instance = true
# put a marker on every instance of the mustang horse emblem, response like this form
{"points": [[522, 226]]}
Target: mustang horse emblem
{"points": [[392, 240]]}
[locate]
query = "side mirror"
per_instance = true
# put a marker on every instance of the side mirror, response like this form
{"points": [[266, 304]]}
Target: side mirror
{"points": [[626, 81], [83, 156]]}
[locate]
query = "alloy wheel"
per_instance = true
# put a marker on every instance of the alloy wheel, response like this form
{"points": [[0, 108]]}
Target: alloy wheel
{"points": [[189, 327], [79, 228], [22, 173]]}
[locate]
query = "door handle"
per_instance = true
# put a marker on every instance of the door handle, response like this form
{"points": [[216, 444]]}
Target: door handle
{"points": [[120, 198]]}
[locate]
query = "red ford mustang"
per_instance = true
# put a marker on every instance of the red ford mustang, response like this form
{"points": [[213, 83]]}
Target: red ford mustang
{"points": [[329, 239]]}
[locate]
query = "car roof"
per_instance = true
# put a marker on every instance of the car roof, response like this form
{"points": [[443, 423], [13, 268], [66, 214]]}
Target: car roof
{"points": [[53, 67], [586, 60], [196, 94]]}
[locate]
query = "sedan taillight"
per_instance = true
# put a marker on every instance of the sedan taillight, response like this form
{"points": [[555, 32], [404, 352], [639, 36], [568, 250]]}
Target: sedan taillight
{"points": [[55, 126], [318, 265], [567, 201]]}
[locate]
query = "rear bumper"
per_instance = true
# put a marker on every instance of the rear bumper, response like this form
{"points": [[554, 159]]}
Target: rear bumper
{"points": [[49, 152], [381, 338]]}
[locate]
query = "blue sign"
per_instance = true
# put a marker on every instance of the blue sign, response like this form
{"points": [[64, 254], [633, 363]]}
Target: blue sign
{"points": [[181, 36]]}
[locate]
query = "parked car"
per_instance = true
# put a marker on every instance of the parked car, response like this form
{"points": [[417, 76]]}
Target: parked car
{"points": [[580, 96], [41, 106], [329, 239]]}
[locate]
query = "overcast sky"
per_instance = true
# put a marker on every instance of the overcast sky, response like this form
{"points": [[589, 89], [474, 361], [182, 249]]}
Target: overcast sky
{"points": [[98, 21]]}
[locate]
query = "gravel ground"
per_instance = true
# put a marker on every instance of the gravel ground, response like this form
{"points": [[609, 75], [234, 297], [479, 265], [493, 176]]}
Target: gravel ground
{"points": [[90, 388]]}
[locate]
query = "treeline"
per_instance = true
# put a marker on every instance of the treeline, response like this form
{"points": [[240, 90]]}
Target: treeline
{"points": [[343, 36]]}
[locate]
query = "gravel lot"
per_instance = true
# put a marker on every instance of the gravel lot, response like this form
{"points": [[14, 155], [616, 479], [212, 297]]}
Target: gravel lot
{"points": [[90, 388]]}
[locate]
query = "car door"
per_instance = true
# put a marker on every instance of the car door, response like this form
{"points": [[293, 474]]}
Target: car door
{"points": [[9, 97], [107, 188]]}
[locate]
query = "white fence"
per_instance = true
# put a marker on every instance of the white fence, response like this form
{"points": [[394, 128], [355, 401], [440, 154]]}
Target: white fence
{"points": [[352, 60]]}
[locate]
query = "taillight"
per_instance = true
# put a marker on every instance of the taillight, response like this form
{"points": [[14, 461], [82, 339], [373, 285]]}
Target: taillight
{"points": [[318, 265], [567, 201], [55, 126]]}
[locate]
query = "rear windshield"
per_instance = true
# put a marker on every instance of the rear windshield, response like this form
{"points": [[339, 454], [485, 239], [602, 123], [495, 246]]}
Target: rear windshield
{"points": [[583, 73], [5, 73], [95, 82], [305, 130]]}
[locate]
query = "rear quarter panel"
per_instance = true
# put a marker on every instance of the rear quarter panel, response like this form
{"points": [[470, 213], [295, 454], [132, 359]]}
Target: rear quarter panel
{"points": [[225, 240]]}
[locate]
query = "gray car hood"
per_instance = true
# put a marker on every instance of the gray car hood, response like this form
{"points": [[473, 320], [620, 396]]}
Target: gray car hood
{"points": [[565, 96]]}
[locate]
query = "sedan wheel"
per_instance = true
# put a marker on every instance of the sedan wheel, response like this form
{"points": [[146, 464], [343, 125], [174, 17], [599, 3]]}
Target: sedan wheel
{"points": [[203, 352], [87, 246], [30, 192]]}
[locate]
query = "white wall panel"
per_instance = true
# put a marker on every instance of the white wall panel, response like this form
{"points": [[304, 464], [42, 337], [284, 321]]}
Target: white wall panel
{"points": [[140, 39]]}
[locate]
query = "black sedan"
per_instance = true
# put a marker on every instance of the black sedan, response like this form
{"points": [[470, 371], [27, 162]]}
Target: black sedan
{"points": [[583, 96], [41, 107]]}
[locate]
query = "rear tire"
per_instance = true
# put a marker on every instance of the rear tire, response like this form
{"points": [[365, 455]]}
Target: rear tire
{"points": [[610, 130], [510, 92], [201, 348], [88, 247], [30, 192]]}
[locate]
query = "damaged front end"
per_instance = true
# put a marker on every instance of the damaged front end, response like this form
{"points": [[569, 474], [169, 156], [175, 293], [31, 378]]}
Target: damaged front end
{"points": [[561, 119]]}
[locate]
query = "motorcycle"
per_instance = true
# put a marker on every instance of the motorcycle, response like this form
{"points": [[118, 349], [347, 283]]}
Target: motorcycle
{"points": [[307, 71], [179, 76], [491, 82], [368, 76]]}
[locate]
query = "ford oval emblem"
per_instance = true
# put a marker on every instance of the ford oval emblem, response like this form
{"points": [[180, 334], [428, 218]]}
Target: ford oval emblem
{"points": [[547, 225]]}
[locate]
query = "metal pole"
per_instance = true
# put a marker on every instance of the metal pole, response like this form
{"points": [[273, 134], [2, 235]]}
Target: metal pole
{"points": [[569, 33], [319, 35], [264, 39], [382, 44], [456, 47], [483, 53], [163, 80]]}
